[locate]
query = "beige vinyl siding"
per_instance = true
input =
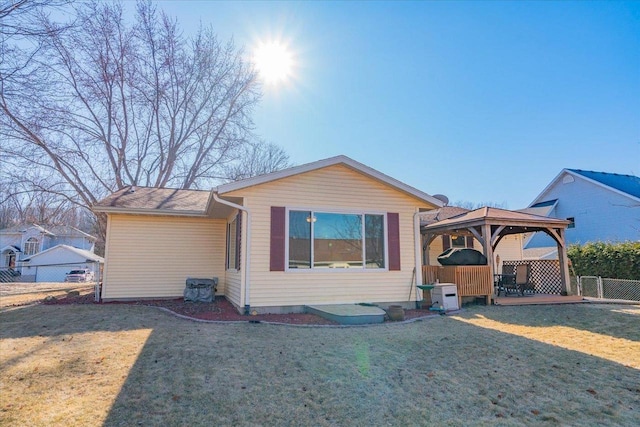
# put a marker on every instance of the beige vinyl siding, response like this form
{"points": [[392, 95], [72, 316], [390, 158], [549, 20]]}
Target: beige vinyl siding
{"points": [[233, 290], [334, 188], [509, 249], [151, 256]]}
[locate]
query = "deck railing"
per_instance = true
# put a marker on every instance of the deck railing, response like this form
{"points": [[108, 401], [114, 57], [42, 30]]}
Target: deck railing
{"points": [[471, 280]]}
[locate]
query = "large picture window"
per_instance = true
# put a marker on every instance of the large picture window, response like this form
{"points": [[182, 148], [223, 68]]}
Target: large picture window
{"points": [[320, 240]]}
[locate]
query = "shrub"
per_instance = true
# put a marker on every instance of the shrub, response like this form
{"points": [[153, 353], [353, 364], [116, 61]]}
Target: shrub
{"points": [[614, 260]]}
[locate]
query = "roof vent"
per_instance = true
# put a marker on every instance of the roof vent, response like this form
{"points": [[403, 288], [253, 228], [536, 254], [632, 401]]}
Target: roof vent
{"points": [[444, 199], [131, 190]]}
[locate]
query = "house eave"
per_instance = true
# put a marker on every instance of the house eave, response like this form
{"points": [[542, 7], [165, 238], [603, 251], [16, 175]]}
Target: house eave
{"points": [[163, 212]]}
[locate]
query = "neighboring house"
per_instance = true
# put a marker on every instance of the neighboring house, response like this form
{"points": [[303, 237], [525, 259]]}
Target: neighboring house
{"points": [[52, 265], [509, 248], [328, 232], [600, 207], [17, 244]]}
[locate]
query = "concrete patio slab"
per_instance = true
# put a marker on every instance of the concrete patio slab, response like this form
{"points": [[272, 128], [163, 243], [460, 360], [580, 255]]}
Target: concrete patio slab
{"points": [[349, 314]]}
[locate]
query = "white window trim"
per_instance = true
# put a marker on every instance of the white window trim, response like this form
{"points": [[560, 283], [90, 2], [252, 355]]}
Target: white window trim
{"points": [[31, 244], [336, 270]]}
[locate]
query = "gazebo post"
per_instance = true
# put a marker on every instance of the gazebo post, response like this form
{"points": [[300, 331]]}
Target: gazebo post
{"points": [[488, 252], [563, 260]]}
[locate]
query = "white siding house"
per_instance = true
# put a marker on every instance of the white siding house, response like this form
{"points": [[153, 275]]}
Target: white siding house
{"points": [[20, 243], [52, 265], [601, 207]]}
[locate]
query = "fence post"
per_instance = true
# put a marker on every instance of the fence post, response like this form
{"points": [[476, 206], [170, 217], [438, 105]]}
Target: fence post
{"points": [[96, 267], [600, 290], [578, 286]]}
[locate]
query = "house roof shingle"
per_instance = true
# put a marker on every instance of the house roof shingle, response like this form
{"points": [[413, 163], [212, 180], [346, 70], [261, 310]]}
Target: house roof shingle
{"points": [[490, 215], [158, 199], [445, 212]]}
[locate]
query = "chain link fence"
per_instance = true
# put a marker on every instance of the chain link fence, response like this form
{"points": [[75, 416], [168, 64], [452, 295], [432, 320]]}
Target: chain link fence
{"points": [[606, 288]]}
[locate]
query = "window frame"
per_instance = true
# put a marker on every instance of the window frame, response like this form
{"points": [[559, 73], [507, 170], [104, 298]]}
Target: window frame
{"points": [[357, 270], [572, 222], [232, 227], [453, 245], [31, 246]]}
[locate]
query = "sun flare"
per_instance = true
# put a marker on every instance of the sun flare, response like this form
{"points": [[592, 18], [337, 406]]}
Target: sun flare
{"points": [[274, 62]]}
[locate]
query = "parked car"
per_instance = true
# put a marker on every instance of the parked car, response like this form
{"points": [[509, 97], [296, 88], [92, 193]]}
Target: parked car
{"points": [[84, 275]]}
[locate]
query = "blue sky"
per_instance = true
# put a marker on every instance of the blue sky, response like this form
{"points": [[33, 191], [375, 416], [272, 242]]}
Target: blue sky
{"points": [[480, 101]]}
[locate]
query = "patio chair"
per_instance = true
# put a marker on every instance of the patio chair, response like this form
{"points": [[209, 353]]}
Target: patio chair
{"points": [[522, 282], [508, 284]]}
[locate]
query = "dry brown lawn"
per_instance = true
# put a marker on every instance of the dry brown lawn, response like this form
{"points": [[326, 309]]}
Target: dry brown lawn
{"points": [[20, 293], [121, 365]]}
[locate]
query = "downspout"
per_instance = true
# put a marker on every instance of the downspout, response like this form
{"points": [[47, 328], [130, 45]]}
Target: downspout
{"points": [[248, 247], [418, 252]]}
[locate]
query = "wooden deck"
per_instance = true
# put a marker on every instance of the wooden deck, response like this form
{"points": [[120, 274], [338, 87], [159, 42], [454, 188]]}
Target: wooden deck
{"points": [[539, 299]]}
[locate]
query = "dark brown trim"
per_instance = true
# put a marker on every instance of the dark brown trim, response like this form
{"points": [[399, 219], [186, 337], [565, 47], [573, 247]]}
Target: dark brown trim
{"points": [[393, 237], [446, 242], [277, 248]]}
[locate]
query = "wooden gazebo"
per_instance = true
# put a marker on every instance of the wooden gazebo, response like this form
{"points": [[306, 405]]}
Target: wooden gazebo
{"points": [[489, 226]]}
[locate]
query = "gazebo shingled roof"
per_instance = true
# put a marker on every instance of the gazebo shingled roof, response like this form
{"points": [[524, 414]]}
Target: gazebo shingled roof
{"points": [[514, 222]]}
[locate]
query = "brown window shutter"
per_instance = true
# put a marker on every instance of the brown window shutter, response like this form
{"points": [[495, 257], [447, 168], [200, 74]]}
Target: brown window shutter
{"points": [[393, 238], [238, 239], [277, 238], [470, 241], [446, 242]]}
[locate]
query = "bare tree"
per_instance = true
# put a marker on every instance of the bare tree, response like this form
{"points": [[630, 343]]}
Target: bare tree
{"points": [[19, 17], [99, 103], [472, 205], [20, 204], [258, 159]]}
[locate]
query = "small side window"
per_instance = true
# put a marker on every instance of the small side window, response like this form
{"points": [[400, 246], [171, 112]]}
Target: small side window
{"points": [[232, 242], [572, 222], [458, 241]]}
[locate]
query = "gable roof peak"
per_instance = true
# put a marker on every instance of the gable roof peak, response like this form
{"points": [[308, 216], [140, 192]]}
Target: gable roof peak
{"points": [[628, 184], [324, 163]]}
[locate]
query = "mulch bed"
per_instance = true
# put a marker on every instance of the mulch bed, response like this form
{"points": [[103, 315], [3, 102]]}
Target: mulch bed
{"points": [[221, 310]]}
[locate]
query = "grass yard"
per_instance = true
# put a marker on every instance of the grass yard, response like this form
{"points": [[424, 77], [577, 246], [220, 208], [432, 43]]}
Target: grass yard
{"points": [[131, 365], [22, 293]]}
